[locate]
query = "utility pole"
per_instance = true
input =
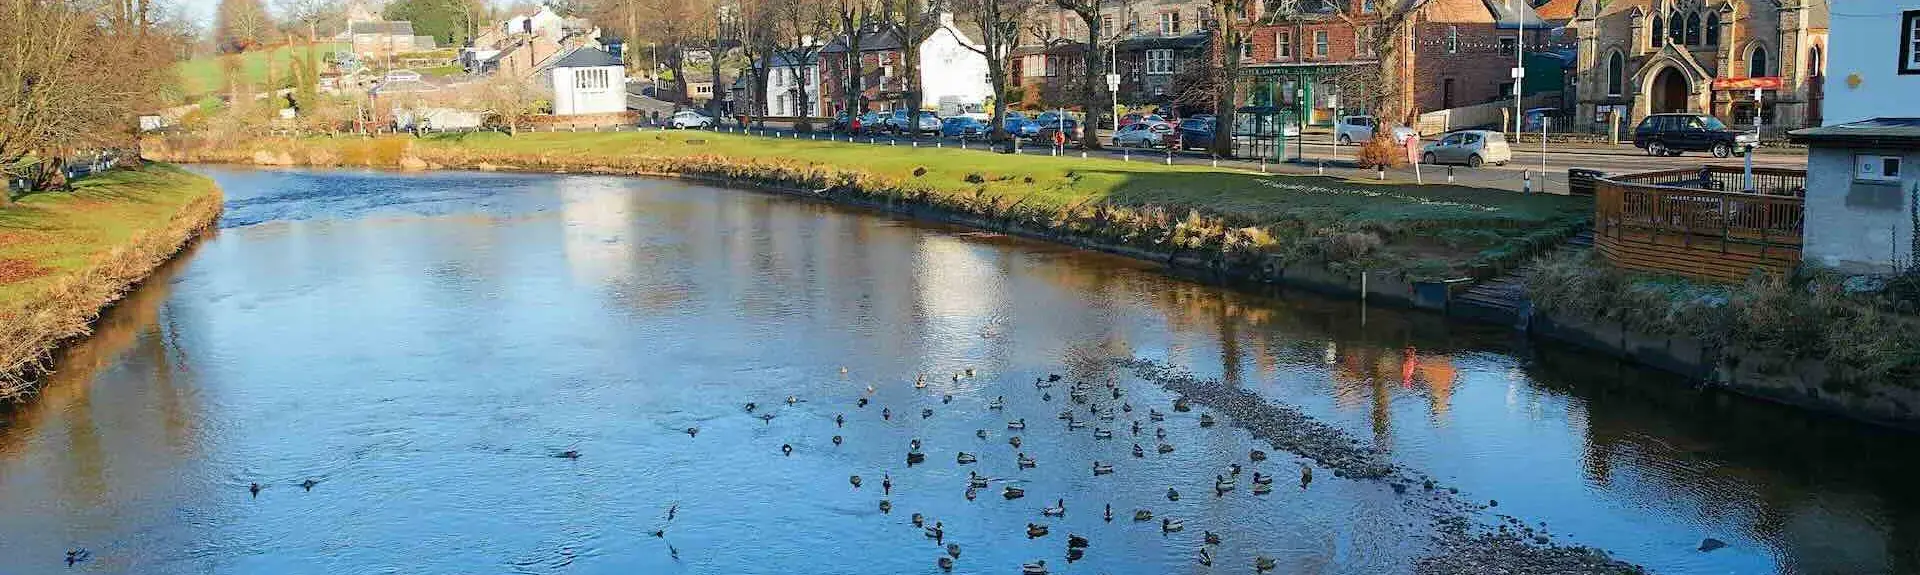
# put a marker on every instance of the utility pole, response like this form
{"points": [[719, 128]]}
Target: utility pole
{"points": [[1519, 67]]}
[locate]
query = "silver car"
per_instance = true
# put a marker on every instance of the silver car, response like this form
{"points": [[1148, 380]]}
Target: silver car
{"points": [[1470, 147]]}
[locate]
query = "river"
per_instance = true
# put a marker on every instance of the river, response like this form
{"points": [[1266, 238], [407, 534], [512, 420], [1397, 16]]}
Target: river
{"points": [[426, 346]]}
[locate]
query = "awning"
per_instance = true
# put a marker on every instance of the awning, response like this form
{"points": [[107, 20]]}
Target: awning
{"points": [[1761, 83]]}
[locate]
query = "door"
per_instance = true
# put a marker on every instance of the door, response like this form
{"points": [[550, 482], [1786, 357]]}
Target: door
{"points": [[1469, 144], [1693, 134]]}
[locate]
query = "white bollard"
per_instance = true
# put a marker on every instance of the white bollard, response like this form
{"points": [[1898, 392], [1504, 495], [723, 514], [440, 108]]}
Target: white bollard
{"points": [[1322, 167], [1526, 181], [1379, 173], [1449, 174]]}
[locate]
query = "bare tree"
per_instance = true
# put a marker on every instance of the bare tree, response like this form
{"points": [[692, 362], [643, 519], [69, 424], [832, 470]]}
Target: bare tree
{"points": [[508, 102], [312, 16], [912, 18], [802, 25], [240, 25], [999, 23], [760, 42], [1229, 23], [854, 16], [1092, 80]]}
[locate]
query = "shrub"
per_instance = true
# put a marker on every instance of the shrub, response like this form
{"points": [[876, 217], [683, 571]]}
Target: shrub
{"points": [[1380, 152]]}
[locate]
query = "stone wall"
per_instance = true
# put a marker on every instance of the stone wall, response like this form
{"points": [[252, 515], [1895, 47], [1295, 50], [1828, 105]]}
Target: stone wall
{"points": [[1857, 226]]}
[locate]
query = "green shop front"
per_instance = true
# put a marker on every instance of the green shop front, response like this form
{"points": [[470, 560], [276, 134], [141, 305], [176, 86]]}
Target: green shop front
{"points": [[1307, 90]]}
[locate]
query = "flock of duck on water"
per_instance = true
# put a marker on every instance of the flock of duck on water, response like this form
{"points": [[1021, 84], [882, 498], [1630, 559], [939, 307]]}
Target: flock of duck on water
{"points": [[1077, 393]]}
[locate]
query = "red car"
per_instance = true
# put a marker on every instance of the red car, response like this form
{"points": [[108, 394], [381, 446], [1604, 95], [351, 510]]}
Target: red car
{"points": [[1138, 117]]}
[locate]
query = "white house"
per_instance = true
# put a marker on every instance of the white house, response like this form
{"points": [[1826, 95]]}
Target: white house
{"points": [[588, 80], [1863, 168], [952, 75], [544, 22], [791, 76]]}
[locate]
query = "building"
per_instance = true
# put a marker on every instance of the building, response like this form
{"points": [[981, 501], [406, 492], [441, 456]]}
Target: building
{"points": [[1863, 169], [373, 38], [953, 76], [587, 80], [1640, 57], [793, 86]]}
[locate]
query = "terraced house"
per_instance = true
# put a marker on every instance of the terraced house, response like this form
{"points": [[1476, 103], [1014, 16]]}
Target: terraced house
{"points": [[1153, 44], [1640, 57]]}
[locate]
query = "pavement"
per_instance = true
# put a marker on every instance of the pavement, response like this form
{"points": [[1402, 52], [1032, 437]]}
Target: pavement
{"points": [[1530, 171]]}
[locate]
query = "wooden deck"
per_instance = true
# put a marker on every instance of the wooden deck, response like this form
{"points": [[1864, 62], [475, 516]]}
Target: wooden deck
{"points": [[1677, 222]]}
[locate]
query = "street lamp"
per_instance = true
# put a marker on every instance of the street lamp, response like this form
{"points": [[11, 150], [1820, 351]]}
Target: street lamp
{"points": [[1299, 118]]}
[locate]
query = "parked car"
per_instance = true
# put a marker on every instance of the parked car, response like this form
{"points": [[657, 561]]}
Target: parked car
{"points": [[1470, 147], [1047, 128], [868, 123], [1196, 132], [689, 119], [1350, 129], [1136, 117], [1020, 126], [963, 127], [1671, 134], [1143, 135], [929, 124], [896, 122]]}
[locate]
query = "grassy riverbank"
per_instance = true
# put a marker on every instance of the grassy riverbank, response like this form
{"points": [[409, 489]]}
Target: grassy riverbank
{"points": [[64, 256], [1228, 217]]}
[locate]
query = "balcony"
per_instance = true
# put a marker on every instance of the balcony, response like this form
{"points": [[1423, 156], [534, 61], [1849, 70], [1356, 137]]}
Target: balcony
{"points": [[1686, 222]]}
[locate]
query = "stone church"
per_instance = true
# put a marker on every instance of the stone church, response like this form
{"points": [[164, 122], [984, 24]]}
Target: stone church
{"points": [[1640, 57]]}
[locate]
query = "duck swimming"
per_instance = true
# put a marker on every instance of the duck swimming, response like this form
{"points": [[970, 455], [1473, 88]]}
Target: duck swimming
{"points": [[1017, 424], [1038, 384], [1138, 452], [1173, 494], [969, 372], [1065, 414], [1212, 538], [1102, 468], [948, 398], [1013, 492], [1136, 428], [1059, 509], [693, 431], [1046, 397], [1259, 479], [308, 484], [1256, 456], [980, 433], [1109, 514], [1233, 469], [766, 417], [886, 413], [915, 457], [1155, 415], [964, 458], [1142, 515], [953, 550], [913, 444], [855, 480], [78, 556], [1160, 433], [839, 420], [976, 479], [936, 532], [1076, 424], [750, 407], [1099, 433], [920, 381], [1206, 557], [972, 493], [998, 403], [1181, 405], [1264, 564], [1262, 488], [918, 520], [1076, 541], [1036, 530], [568, 454], [1172, 525], [945, 563], [786, 449], [1025, 462], [1206, 420], [886, 506], [1126, 407], [1014, 441], [1034, 568], [1166, 448], [793, 399], [862, 402], [837, 440], [1306, 476], [1222, 484]]}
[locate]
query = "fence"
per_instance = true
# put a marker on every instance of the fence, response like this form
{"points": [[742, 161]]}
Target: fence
{"points": [[1683, 222]]}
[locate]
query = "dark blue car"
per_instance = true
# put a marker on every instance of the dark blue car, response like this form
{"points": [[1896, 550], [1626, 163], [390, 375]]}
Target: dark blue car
{"points": [[963, 127], [1196, 133]]}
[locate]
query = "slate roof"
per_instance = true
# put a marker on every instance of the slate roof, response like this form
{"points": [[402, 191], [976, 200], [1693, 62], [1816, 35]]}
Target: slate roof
{"points": [[585, 57], [402, 28], [1901, 132]]}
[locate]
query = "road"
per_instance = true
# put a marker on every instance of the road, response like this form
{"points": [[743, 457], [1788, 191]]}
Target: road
{"points": [[1322, 156]]}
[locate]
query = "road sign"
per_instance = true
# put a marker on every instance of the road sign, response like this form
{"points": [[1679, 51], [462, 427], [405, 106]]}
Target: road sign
{"points": [[1519, 72], [1113, 82]]}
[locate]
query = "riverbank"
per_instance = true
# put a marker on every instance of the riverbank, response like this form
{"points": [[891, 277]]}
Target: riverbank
{"points": [[66, 256], [1244, 224]]}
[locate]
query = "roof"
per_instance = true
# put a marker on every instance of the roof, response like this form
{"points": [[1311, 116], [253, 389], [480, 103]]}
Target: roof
{"points": [[786, 59], [1514, 13], [1189, 41], [401, 28], [1558, 10], [1902, 132], [585, 57]]}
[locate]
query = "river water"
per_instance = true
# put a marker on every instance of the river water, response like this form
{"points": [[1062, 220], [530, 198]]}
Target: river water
{"points": [[424, 345]]}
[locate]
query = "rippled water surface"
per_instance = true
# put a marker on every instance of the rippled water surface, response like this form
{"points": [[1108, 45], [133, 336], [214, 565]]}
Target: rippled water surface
{"points": [[424, 345]]}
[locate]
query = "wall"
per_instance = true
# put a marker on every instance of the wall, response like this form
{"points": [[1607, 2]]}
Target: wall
{"points": [[1856, 227], [1863, 43], [781, 81], [952, 73], [568, 100]]}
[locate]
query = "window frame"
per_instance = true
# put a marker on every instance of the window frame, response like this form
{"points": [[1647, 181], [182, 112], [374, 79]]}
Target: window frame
{"points": [[1322, 43], [1659, 36], [1453, 39], [1710, 31], [1283, 45], [1170, 23], [1616, 73], [1757, 49], [1909, 47], [1861, 163], [1508, 45], [1163, 65]]}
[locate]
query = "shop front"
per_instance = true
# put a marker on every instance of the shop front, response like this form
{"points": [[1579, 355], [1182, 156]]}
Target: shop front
{"points": [[1309, 90]]}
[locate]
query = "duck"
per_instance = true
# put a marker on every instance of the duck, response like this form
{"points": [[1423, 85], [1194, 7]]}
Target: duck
{"points": [[976, 479], [1065, 414], [1136, 428], [1051, 377], [78, 556], [1025, 462], [1013, 492], [920, 382], [1159, 433], [693, 432], [1206, 420], [1262, 488], [886, 506], [1166, 448], [1138, 452], [750, 407], [1173, 494], [1233, 469], [1181, 405], [766, 418], [837, 439], [1206, 557], [1102, 468], [1014, 441], [855, 480], [915, 458], [964, 458], [568, 454], [1034, 568], [945, 563], [918, 520], [1222, 484], [1076, 541], [1126, 407], [793, 399], [1017, 424], [1142, 515], [956, 378], [1116, 392], [953, 550], [254, 489], [1076, 424], [870, 389], [1102, 433], [972, 493], [308, 484], [886, 484], [980, 433], [862, 402], [1059, 509], [1155, 415], [1259, 479], [1172, 525], [839, 420], [1256, 456], [659, 533], [913, 444], [948, 398], [937, 532], [1077, 395], [1264, 564], [786, 449], [998, 403], [1306, 476], [1046, 397], [1036, 530], [968, 372], [886, 413], [1109, 515], [1106, 415], [843, 370], [1212, 538], [1039, 384]]}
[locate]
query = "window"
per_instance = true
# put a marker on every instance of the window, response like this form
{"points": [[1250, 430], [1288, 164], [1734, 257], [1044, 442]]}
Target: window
{"points": [[1757, 62], [1616, 73], [1319, 43], [1033, 66], [1675, 29], [1446, 94], [1712, 33], [1283, 45], [1160, 62], [1246, 49], [1054, 64], [1506, 88], [1877, 168], [1363, 41], [1659, 32], [1910, 42], [1106, 24], [1506, 46], [592, 79], [1693, 29], [1453, 39], [780, 105], [1169, 23]]}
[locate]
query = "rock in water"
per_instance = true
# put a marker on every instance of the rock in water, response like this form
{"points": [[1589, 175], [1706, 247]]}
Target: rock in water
{"points": [[1710, 544]]}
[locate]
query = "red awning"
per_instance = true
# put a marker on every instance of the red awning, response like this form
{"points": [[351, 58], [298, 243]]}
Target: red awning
{"points": [[1763, 83]]}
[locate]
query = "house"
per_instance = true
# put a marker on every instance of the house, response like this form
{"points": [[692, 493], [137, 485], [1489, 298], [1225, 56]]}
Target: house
{"points": [[953, 77], [372, 37], [793, 86], [1640, 57], [1863, 169], [542, 22], [587, 80], [1151, 44]]}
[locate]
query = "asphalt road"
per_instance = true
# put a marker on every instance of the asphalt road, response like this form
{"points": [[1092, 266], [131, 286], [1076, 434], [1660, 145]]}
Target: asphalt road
{"points": [[1322, 156]]}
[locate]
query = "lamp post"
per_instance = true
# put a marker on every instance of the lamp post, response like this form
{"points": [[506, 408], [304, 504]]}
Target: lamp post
{"points": [[1300, 119]]}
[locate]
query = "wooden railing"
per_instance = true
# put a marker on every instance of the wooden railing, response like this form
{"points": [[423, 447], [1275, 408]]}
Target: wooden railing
{"points": [[1679, 222]]}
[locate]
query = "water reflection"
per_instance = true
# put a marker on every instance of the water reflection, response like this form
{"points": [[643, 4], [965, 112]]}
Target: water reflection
{"points": [[420, 344]]}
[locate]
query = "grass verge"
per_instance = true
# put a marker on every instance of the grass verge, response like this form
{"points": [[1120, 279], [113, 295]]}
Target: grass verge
{"points": [[1230, 216], [208, 74], [64, 257]]}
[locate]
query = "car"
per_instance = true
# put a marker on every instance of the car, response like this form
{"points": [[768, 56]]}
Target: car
{"points": [[1136, 117], [1350, 129], [1020, 126], [1069, 126], [1672, 134], [896, 122], [868, 123], [929, 124], [963, 127], [689, 119], [1470, 147], [1196, 132], [1143, 135]]}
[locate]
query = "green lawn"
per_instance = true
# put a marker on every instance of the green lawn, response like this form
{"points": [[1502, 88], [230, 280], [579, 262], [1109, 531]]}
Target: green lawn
{"points": [[45, 236], [1434, 230], [209, 73]]}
